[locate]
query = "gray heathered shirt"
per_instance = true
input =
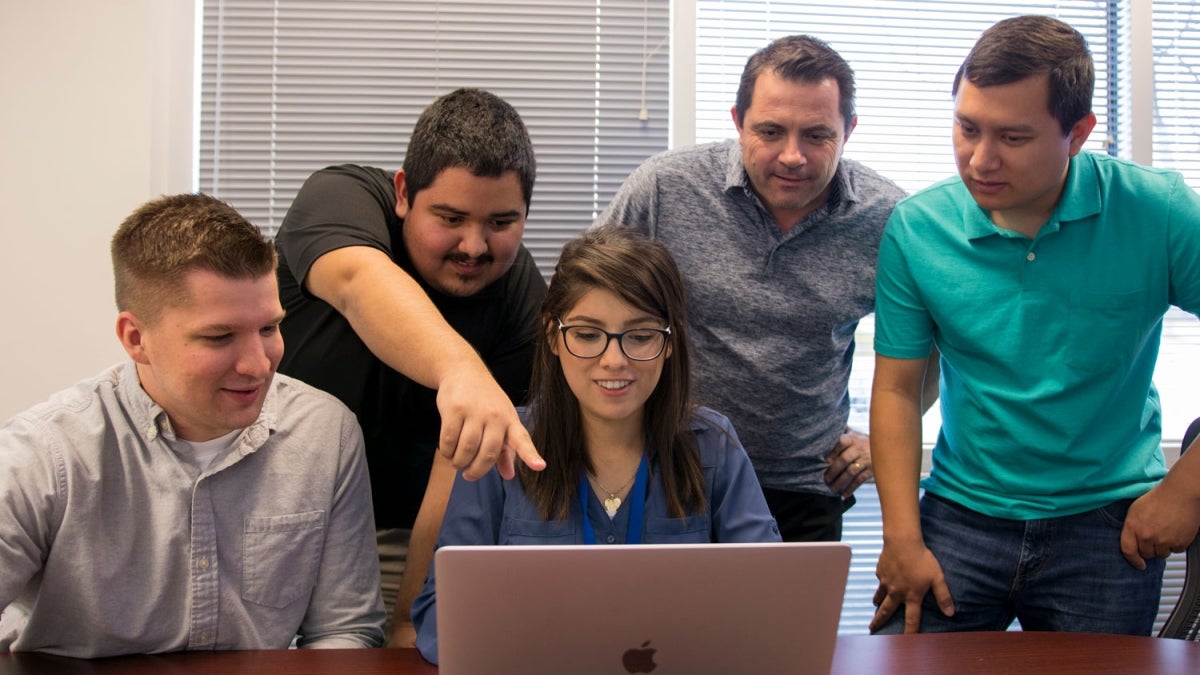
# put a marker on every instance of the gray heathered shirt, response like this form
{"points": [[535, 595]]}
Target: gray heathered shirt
{"points": [[772, 315], [114, 542]]}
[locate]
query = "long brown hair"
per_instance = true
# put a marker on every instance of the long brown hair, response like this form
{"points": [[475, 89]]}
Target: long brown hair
{"points": [[642, 273]]}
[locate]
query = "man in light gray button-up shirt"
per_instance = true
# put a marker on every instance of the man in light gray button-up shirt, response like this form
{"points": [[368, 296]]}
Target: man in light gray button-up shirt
{"points": [[189, 498]]}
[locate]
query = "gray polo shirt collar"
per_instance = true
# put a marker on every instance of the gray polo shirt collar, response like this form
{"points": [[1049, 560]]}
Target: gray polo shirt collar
{"points": [[736, 177]]}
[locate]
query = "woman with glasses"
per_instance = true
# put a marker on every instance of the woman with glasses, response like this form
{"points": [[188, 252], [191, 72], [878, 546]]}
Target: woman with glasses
{"points": [[629, 458]]}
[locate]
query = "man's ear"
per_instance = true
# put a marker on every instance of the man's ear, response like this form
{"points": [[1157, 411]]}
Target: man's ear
{"points": [[401, 194], [1080, 132], [851, 128], [132, 336], [737, 123]]}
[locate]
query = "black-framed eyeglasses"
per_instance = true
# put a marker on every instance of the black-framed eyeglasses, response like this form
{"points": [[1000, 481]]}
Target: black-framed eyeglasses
{"points": [[638, 344]]}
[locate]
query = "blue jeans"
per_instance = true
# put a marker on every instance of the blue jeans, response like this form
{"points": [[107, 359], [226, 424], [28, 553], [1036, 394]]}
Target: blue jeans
{"points": [[1059, 574]]}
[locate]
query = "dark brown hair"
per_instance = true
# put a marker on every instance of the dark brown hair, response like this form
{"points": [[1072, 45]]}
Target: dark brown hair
{"points": [[799, 58], [471, 129], [1025, 46], [643, 274]]}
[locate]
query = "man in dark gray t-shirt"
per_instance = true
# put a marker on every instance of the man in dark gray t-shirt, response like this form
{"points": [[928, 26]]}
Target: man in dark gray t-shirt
{"points": [[777, 235]]}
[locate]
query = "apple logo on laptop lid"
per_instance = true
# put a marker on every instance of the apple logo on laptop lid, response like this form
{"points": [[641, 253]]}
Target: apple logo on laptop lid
{"points": [[639, 659]]}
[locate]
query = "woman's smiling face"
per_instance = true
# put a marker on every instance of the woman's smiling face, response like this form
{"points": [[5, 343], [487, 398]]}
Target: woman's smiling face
{"points": [[611, 388]]}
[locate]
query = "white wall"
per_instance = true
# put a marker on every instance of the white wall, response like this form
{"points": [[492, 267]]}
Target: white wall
{"points": [[95, 118]]}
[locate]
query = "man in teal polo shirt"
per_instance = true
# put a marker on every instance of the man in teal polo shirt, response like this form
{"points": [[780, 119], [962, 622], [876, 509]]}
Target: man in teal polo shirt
{"points": [[1042, 274]]}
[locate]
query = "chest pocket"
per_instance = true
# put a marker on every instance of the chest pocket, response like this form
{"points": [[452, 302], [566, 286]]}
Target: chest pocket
{"points": [[536, 532], [1106, 329], [695, 529], [281, 556]]}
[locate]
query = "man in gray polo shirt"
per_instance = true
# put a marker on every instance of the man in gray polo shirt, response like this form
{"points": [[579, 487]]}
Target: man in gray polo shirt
{"points": [[777, 236]]}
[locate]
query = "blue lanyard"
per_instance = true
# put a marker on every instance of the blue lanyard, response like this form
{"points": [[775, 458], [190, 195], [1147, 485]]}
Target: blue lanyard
{"points": [[637, 506]]}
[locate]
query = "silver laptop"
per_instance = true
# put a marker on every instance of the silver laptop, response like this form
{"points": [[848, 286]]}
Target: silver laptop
{"points": [[691, 608]]}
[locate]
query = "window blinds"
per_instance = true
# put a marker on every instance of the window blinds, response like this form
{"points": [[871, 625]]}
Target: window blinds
{"points": [[904, 55], [290, 86]]}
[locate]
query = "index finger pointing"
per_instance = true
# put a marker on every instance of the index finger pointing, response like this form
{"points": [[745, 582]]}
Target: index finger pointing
{"points": [[519, 442]]}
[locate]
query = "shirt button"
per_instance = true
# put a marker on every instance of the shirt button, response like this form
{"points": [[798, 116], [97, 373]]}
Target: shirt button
{"points": [[202, 563], [203, 637], [610, 539], [1031, 256]]}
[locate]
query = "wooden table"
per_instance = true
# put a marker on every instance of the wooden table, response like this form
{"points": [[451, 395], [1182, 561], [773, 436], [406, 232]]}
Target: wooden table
{"points": [[1012, 653], [1015, 653]]}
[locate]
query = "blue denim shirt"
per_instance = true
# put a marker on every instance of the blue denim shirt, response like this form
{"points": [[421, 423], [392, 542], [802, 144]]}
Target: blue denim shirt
{"points": [[497, 511]]}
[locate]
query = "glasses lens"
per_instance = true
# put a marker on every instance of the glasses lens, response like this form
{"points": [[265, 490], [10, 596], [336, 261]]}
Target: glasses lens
{"points": [[586, 342], [638, 344], [643, 344]]}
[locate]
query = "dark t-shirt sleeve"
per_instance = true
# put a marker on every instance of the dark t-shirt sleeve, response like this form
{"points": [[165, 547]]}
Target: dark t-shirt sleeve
{"points": [[338, 206]]}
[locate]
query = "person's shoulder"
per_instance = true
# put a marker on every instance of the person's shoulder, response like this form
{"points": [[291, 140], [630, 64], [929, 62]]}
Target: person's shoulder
{"points": [[293, 394], [88, 392], [516, 293], [691, 158], [715, 436], [71, 409], [338, 181], [359, 200], [946, 193], [292, 388], [866, 180], [705, 420], [524, 270], [353, 172], [1111, 169]]}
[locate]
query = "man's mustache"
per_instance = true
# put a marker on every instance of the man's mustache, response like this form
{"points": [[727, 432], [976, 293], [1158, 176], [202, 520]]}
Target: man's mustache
{"points": [[466, 259]]}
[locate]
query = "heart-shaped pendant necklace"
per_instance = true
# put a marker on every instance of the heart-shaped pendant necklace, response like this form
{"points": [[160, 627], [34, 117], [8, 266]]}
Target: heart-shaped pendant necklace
{"points": [[611, 505], [613, 501]]}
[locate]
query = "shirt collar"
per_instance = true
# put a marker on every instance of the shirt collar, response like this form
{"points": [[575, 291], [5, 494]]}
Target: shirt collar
{"points": [[1080, 199], [1081, 193], [152, 421], [842, 193]]}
